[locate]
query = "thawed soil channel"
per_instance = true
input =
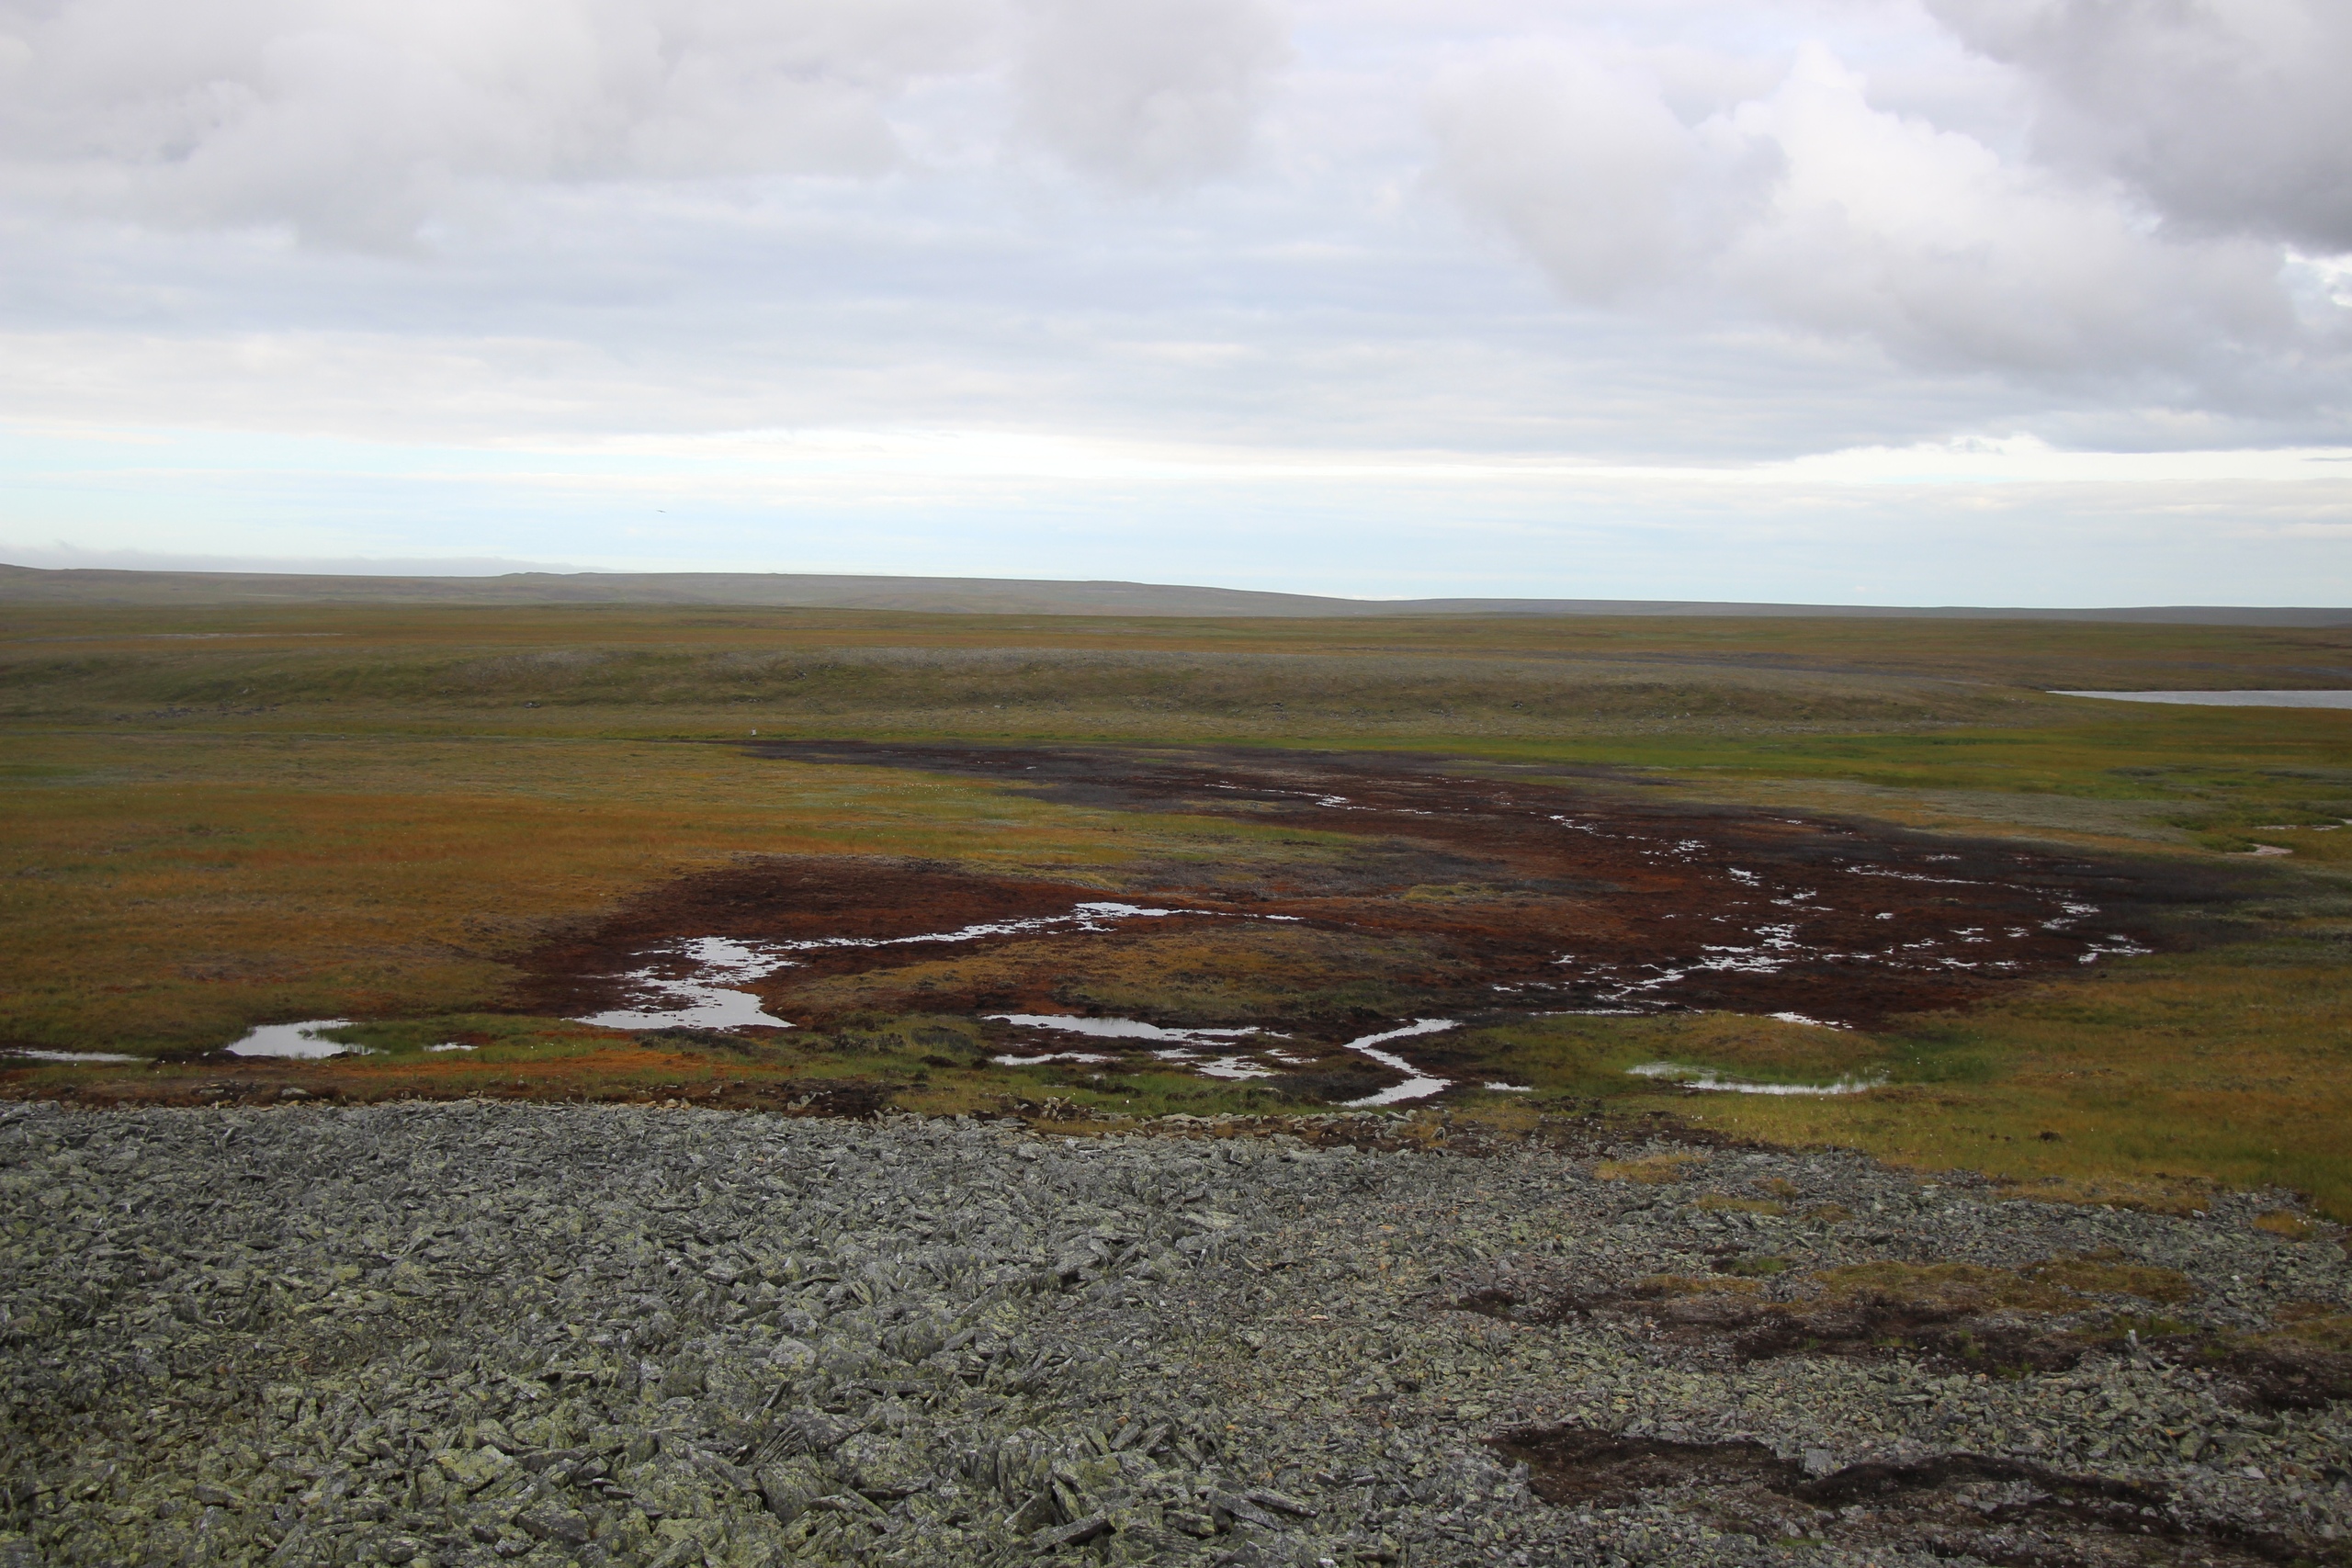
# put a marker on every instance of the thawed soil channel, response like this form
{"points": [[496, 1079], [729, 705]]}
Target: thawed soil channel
{"points": [[474, 1334], [1451, 897]]}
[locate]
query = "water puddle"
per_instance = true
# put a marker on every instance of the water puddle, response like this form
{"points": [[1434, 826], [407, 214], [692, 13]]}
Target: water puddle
{"points": [[1182, 1047], [1093, 916], [1683, 1076], [452, 1045], [1418, 1084], [1234, 1067], [2244, 699], [712, 993], [710, 996], [1119, 1028], [298, 1042], [1050, 1057], [28, 1055], [1178, 1041]]}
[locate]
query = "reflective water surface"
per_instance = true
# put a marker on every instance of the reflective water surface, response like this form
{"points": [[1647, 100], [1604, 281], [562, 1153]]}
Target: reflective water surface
{"points": [[1683, 1076], [2247, 699], [300, 1041]]}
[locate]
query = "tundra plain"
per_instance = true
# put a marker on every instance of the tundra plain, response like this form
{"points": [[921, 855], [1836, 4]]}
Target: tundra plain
{"points": [[452, 826], [1420, 1091]]}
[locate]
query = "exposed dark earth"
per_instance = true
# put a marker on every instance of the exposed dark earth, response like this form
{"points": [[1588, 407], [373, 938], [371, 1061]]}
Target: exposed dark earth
{"points": [[1423, 893]]}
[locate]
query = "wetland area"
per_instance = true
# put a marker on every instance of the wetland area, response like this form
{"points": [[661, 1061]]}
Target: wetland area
{"points": [[665, 1087]]}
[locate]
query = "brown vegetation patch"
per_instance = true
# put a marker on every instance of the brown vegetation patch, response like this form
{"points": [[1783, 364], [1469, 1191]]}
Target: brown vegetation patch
{"points": [[1961, 1316], [1526, 891], [2265, 1371], [1955, 1506], [2286, 1223], [1651, 1170], [1717, 1202], [2106, 1273], [1418, 894], [1669, 1287], [2322, 1323], [786, 898], [2154, 1194], [665, 1072], [1949, 1288]]}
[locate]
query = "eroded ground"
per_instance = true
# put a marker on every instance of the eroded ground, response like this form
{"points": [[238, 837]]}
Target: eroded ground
{"points": [[1411, 892]]}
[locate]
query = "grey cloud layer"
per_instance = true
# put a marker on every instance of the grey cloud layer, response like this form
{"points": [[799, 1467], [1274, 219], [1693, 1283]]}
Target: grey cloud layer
{"points": [[2232, 116], [358, 123], [1711, 226], [1810, 204]]}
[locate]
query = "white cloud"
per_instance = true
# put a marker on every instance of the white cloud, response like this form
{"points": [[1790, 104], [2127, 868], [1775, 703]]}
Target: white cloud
{"points": [[353, 123], [1580, 161], [1812, 207], [286, 237], [1932, 245], [1147, 93], [2229, 115], [360, 125]]}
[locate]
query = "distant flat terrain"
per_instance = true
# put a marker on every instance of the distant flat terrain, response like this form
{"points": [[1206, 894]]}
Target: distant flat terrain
{"points": [[1100, 869], [973, 595]]}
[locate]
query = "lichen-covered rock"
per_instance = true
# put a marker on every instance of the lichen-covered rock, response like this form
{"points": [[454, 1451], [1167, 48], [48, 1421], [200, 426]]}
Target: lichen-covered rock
{"points": [[482, 1334]]}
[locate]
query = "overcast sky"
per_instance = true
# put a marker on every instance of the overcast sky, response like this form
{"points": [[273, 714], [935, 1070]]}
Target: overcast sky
{"points": [[1995, 302]]}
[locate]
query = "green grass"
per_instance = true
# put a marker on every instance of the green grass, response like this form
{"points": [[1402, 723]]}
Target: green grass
{"points": [[352, 812]]}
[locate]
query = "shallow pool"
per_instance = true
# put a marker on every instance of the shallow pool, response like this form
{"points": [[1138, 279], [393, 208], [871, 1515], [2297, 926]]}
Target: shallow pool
{"points": [[1683, 1076], [712, 994], [30, 1055], [2250, 699], [1418, 1084], [296, 1039]]}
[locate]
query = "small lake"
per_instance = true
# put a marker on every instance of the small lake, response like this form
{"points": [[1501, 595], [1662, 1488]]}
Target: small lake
{"points": [[298, 1042], [2227, 699]]}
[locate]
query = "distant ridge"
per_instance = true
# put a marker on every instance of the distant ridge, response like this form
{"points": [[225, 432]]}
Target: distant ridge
{"points": [[967, 595]]}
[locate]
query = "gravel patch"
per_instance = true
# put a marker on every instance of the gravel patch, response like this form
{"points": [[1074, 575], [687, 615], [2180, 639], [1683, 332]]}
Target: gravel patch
{"points": [[489, 1333]]}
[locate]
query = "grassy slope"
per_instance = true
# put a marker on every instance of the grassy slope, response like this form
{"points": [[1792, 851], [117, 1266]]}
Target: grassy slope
{"points": [[215, 817]]}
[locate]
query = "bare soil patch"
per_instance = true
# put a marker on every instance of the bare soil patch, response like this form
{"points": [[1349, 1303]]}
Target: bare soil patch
{"points": [[1464, 897], [1971, 1506]]}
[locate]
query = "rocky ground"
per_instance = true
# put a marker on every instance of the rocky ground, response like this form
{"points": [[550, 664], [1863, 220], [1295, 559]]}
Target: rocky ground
{"points": [[478, 1333]]}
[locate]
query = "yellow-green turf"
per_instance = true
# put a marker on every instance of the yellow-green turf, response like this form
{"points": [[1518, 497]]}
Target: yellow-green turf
{"points": [[215, 817]]}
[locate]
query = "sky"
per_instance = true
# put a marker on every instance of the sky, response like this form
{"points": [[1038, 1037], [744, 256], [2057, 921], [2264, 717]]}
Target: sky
{"points": [[2030, 302]]}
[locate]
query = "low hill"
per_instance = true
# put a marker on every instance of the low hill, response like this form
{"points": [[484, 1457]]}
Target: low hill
{"points": [[967, 595]]}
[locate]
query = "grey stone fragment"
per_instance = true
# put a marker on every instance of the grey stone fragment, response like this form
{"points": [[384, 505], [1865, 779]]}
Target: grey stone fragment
{"points": [[1078, 1532], [553, 1521], [1226, 1505], [733, 1337]]}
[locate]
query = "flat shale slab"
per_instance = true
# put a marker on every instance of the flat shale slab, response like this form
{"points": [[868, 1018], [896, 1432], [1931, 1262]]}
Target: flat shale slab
{"points": [[483, 1333]]}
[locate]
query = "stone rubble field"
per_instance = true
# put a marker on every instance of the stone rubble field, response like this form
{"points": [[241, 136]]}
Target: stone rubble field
{"points": [[546, 1334]]}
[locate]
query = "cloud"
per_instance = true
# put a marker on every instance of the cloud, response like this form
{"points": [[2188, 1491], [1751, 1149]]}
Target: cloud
{"points": [[1581, 162], [354, 123], [59, 556], [1811, 208], [436, 279], [1147, 94], [360, 125], [1928, 242], [2229, 117]]}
